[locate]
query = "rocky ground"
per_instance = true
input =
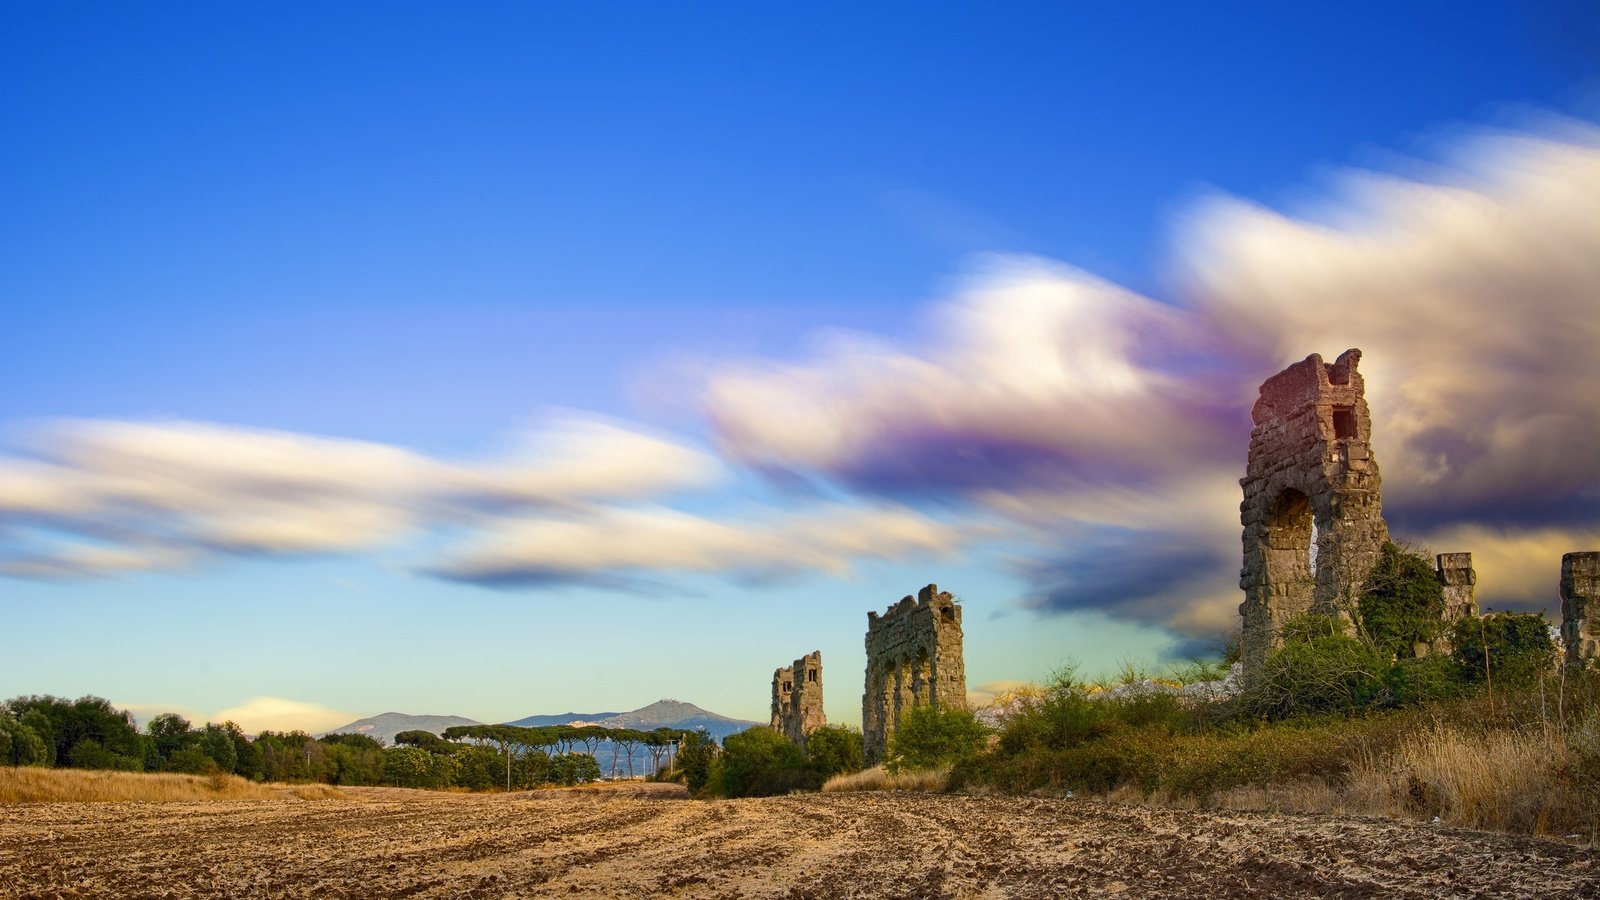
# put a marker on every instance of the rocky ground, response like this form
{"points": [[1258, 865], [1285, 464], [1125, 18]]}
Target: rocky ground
{"points": [[649, 841]]}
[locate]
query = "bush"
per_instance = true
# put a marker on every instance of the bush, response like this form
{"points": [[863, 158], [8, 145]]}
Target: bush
{"points": [[759, 762], [1402, 603], [1414, 682], [1319, 669], [574, 768], [833, 750], [1516, 646], [928, 737]]}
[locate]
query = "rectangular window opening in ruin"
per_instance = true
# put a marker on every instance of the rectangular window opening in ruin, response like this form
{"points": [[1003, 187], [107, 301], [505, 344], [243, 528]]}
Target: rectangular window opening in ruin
{"points": [[811, 675], [1344, 422], [788, 686]]}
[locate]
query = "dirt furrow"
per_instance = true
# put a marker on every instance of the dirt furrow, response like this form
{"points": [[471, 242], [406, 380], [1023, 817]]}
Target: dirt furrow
{"points": [[385, 842]]}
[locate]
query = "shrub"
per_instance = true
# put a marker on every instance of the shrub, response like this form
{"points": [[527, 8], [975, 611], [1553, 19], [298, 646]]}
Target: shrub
{"points": [[928, 737], [1402, 603], [759, 762], [574, 768], [833, 750], [1319, 669], [1516, 647], [1414, 682]]}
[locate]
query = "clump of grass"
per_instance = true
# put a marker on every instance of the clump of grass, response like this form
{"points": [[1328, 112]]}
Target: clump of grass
{"points": [[878, 778], [35, 785], [1510, 780]]}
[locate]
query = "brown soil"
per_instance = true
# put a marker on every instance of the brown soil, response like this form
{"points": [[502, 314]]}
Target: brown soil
{"points": [[649, 841]]}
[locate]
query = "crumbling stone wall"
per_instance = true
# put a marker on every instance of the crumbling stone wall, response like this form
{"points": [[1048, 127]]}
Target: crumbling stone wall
{"points": [[1580, 607], [913, 659], [797, 698], [1312, 509], [1459, 583]]}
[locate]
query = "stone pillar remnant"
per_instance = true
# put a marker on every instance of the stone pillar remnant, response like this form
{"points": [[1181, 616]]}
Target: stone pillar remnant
{"points": [[797, 698], [1580, 607]]}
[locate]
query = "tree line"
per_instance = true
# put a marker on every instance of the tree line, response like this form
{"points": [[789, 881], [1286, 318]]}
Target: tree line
{"points": [[90, 733]]}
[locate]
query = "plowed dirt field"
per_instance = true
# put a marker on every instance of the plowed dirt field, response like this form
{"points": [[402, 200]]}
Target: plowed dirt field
{"points": [[652, 842]]}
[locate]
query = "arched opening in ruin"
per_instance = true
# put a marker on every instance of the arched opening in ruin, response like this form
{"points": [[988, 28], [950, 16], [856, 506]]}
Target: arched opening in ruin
{"points": [[1291, 535]]}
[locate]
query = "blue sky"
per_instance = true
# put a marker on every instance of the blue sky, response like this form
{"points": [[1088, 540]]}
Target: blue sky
{"points": [[526, 357]]}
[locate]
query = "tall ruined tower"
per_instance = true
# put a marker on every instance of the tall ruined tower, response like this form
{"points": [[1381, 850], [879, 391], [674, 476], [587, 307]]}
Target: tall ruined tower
{"points": [[797, 698], [1312, 512], [913, 659]]}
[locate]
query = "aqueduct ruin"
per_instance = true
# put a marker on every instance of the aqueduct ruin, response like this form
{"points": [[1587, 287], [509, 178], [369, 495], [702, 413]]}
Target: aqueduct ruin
{"points": [[913, 659]]}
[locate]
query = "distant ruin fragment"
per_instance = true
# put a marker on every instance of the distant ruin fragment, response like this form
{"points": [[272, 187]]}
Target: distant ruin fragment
{"points": [[913, 659], [1312, 511], [1459, 583], [1580, 607], [797, 698]]}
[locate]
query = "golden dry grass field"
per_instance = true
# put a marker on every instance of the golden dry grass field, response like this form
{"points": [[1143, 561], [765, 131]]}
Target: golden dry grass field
{"points": [[650, 840]]}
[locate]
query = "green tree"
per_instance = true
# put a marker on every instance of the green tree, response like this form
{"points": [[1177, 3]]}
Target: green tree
{"points": [[292, 756], [928, 737], [352, 759], [694, 759], [1401, 604], [65, 723], [21, 745], [216, 742], [626, 739], [248, 762], [408, 766], [427, 740], [170, 733], [833, 750], [190, 760]]}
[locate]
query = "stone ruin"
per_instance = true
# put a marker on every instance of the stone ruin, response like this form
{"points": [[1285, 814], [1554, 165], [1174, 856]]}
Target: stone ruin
{"points": [[913, 659], [1580, 607], [1312, 511], [1459, 583], [1313, 517], [797, 698]]}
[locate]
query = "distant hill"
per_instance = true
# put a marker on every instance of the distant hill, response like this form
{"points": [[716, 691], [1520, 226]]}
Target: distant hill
{"points": [[384, 727], [660, 714], [561, 719]]}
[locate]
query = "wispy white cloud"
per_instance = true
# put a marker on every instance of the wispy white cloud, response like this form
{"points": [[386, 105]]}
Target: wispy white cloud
{"points": [[159, 495], [613, 545]]}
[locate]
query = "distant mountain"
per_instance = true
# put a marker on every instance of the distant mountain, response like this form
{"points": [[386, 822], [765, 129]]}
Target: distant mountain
{"points": [[561, 719], [660, 714], [384, 727]]}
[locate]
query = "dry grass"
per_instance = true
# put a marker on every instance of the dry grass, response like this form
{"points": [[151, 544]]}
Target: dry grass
{"points": [[32, 785], [878, 778], [1520, 781], [1505, 780]]}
